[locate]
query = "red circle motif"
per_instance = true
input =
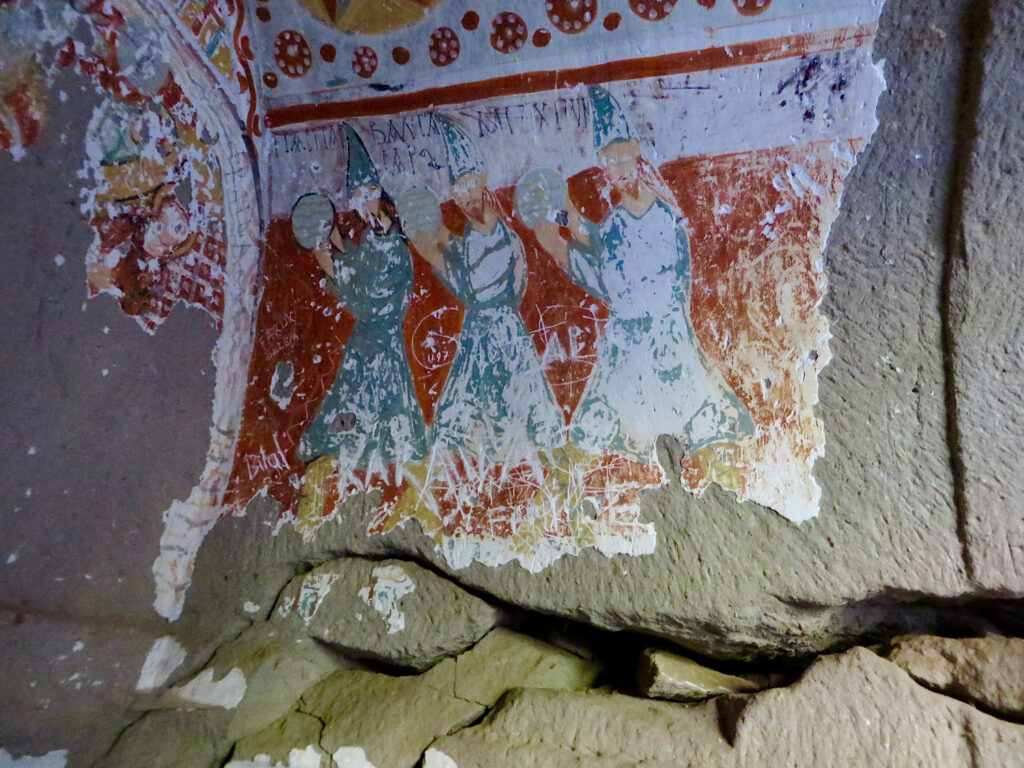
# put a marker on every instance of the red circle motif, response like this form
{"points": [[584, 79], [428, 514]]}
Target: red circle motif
{"points": [[292, 54], [444, 46], [508, 32], [571, 16], [328, 52], [541, 38], [364, 61], [652, 10], [470, 20], [400, 55], [263, 14], [751, 7], [270, 79], [612, 21]]}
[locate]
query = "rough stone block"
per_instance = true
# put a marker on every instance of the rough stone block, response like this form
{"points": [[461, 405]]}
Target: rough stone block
{"points": [[392, 719], [504, 660], [853, 709], [988, 671], [392, 611], [987, 313], [666, 675]]}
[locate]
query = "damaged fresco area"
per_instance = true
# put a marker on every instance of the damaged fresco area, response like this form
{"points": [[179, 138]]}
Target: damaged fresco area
{"points": [[506, 317], [154, 195], [490, 266]]}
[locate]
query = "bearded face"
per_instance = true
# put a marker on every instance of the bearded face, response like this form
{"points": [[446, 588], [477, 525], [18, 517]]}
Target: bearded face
{"points": [[470, 194], [168, 230], [621, 165]]}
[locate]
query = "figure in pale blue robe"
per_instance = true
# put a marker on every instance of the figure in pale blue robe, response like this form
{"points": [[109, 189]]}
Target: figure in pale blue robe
{"points": [[651, 376]]}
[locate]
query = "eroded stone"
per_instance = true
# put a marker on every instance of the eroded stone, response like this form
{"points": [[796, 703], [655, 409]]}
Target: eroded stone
{"points": [[393, 611], [852, 709], [987, 313], [988, 671], [504, 660], [392, 719], [665, 675]]}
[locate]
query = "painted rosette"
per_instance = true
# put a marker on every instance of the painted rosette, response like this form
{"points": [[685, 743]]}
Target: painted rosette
{"points": [[364, 61], [292, 54], [508, 32], [751, 7], [571, 16], [652, 10], [444, 46]]}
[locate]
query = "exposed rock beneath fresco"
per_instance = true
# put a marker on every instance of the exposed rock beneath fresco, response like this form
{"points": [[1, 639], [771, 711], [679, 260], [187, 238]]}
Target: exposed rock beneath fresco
{"points": [[392, 611], [986, 310], [393, 719], [854, 709], [171, 739], [504, 660], [261, 674], [665, 675], [987, 671]]}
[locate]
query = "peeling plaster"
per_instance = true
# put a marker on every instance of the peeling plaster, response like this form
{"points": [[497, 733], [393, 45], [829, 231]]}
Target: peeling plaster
{"points": [[227, 692], [388, 585], [165, 655]]}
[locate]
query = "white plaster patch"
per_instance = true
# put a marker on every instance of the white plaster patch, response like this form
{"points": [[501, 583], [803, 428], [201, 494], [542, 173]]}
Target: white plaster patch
{"points": [[352, 757], [315, 587], [165, 656], [310, 757], [203, 689], [436, 759], [58, 758], [250, 607], [12, 558], [388, 585]]}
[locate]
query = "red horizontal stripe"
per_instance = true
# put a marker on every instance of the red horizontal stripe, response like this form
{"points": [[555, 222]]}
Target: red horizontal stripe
{"points": [[741, 54]]}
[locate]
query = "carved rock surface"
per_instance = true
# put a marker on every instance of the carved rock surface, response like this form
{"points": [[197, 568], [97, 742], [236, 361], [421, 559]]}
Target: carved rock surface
{"points": [[505, 660], [391, 719], [172, 739], [854, 709], [275, 666], [392, 611], [666, 675], [987, 313], [988, 671]]}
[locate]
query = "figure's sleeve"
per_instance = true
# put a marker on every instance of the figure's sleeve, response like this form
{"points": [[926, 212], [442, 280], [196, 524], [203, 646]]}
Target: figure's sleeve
{"points": [[453, 257], [585, 262], [518, 265]]}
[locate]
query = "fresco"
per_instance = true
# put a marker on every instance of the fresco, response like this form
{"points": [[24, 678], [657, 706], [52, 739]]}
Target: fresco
{"points": [[502, 269], [508, 291]]}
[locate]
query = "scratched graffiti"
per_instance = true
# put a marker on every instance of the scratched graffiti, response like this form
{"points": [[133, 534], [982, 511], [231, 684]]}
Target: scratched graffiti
{"points": [[507, 315], [489, 265]]}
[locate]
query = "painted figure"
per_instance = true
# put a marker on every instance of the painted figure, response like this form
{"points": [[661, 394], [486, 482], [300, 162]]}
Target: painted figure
{"points": [[542, 203], [651, 377], [370, 418], [497, 405]]}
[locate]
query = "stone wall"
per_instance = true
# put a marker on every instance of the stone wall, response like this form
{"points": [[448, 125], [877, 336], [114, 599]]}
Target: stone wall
{"points": [[880, 632]]}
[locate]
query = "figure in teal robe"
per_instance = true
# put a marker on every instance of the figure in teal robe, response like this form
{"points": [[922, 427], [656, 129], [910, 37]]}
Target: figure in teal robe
{"points": [[371, 417], [497, 404]]}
